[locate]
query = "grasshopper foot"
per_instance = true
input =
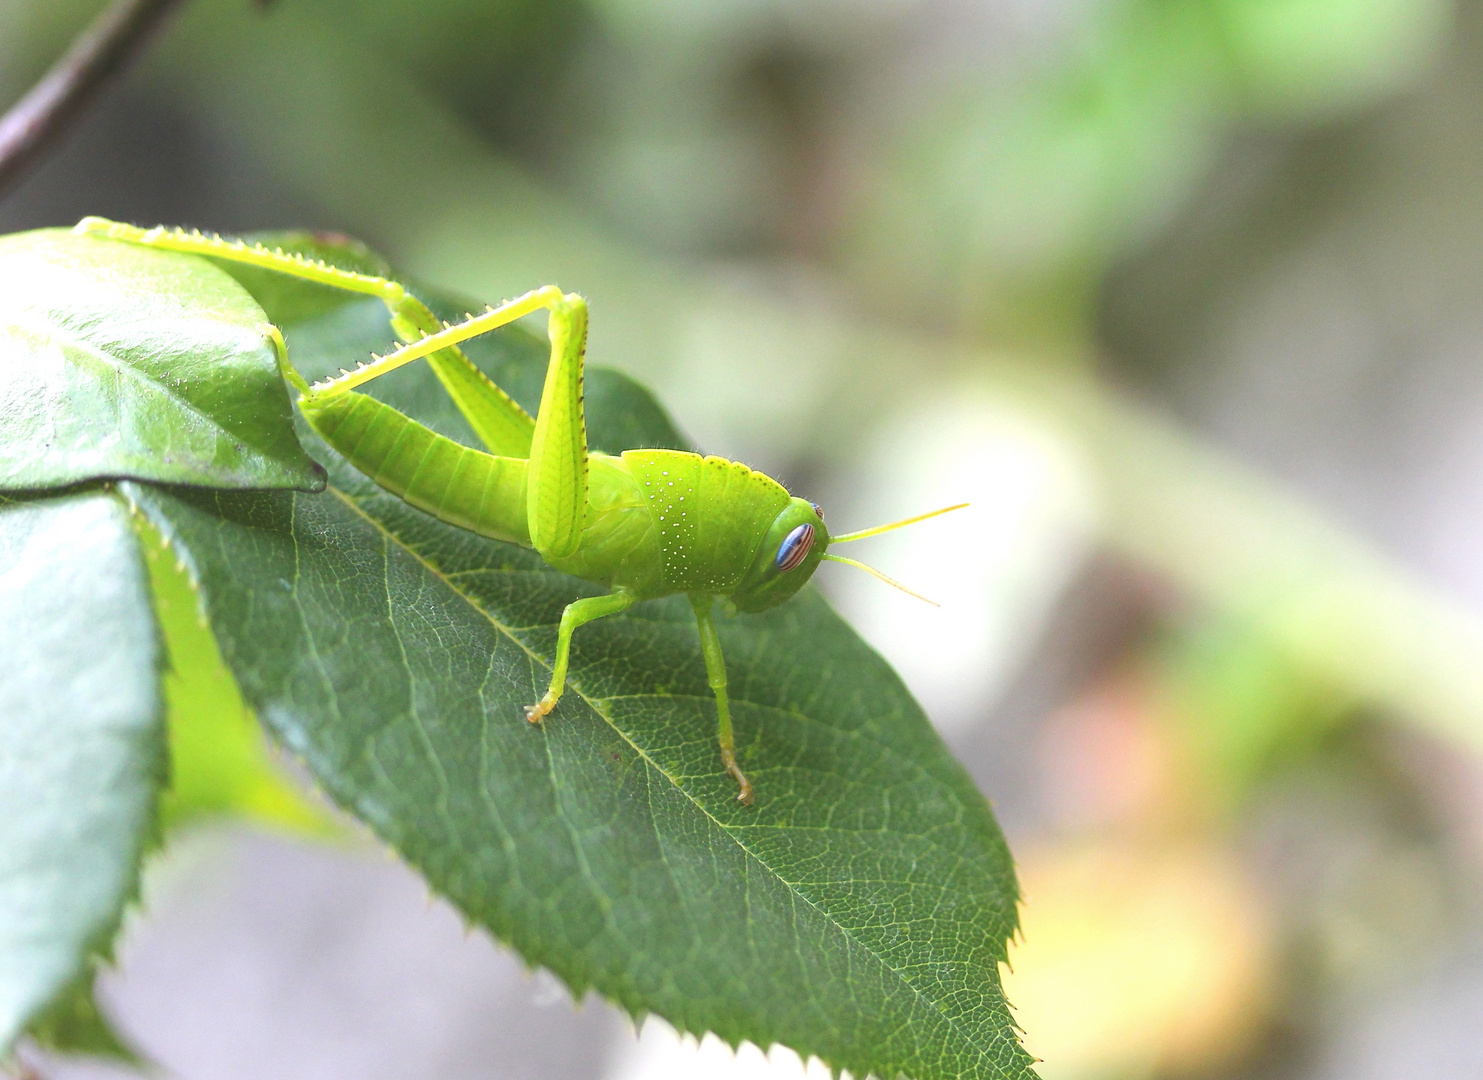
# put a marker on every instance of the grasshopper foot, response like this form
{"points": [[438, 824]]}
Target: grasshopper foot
{"points": [[743, 796], [537, 712]]}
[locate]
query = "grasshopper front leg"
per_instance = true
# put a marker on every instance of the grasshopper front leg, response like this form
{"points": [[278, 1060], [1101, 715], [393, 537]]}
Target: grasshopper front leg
{"points": [[715, 670]]}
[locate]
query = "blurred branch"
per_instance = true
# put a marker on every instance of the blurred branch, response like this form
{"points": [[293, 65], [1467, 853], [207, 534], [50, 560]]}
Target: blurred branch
{"points": [[1244, 544], [109, 44]]}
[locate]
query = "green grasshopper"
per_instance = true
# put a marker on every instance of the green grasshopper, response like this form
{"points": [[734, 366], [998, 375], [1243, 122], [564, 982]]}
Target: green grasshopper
{"points": [[647, 524]]}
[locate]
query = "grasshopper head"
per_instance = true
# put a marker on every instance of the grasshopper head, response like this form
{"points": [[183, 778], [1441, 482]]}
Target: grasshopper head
{"points": [[787, 557]]}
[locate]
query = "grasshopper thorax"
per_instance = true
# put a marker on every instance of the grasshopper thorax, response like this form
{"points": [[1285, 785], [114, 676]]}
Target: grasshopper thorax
{"points": [[790, 552]]}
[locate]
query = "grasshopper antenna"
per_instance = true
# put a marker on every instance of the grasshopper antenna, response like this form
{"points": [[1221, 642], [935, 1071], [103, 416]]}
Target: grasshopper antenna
{"points": [[876, 573], [877, 530]]}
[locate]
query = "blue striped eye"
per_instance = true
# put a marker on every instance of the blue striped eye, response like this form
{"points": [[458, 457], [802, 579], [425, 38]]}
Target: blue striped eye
{"points": [[795, 547]]}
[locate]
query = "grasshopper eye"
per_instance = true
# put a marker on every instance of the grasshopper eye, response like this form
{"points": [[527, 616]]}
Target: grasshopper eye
{"points": [[795, 548], [818, 510]]}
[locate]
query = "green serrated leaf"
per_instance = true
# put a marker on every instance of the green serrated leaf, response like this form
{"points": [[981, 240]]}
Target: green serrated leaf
{"points": [[858, 911], [74, 1024], [124, 361], [82, 752]]}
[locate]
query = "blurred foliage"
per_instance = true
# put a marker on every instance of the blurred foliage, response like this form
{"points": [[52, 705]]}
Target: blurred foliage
{"points": [[74, 1024], [1178, 931], [1010, 199], [1244, 708]]}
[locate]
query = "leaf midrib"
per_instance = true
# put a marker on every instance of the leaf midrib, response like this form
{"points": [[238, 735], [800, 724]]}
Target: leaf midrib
{"points": [[792, 886]]}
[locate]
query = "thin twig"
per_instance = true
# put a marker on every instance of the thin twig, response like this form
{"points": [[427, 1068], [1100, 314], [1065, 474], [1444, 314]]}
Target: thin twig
{"points": [[100, 52]]}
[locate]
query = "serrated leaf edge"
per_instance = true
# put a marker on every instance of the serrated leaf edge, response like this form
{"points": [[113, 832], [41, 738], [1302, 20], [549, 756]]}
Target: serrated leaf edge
{"points": [[97, 950]]}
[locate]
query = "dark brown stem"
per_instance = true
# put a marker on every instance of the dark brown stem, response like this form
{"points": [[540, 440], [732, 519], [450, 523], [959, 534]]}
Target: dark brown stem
{"points": [[100, 52]]}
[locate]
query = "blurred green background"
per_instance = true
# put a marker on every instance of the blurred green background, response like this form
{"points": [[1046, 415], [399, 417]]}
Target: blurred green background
{"points": [[1185, 295]]}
